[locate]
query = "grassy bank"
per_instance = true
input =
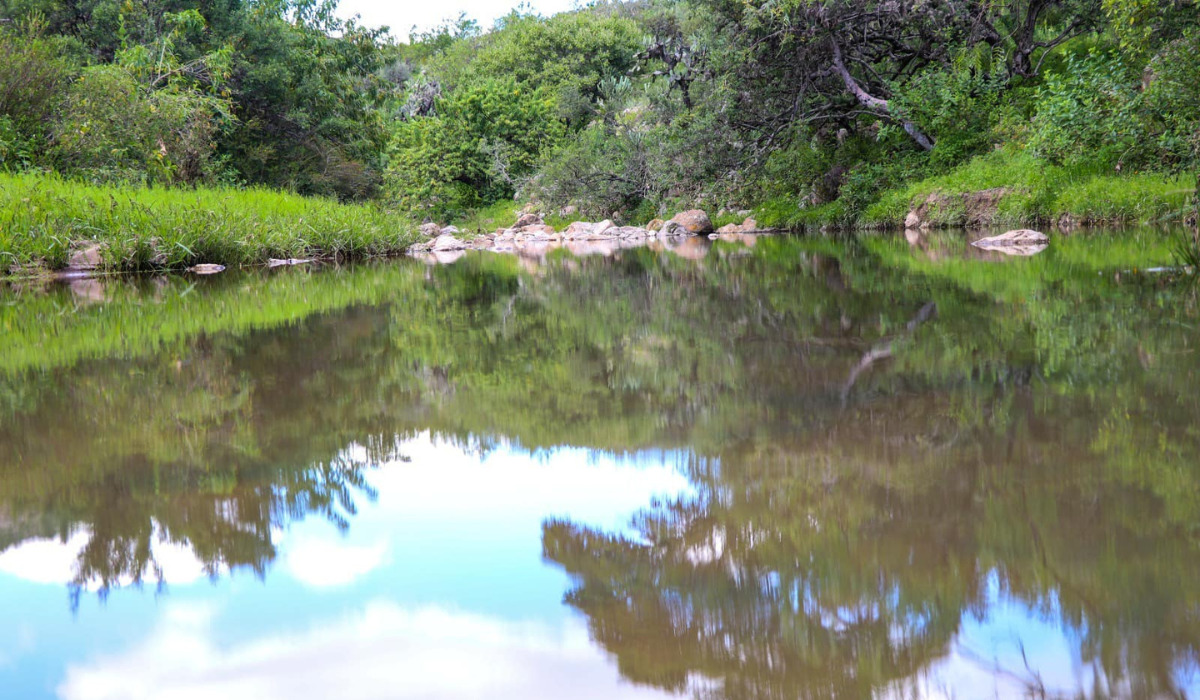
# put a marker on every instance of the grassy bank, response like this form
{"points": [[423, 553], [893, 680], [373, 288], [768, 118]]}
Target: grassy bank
{"points": [[43, 217], [1035, 192]]}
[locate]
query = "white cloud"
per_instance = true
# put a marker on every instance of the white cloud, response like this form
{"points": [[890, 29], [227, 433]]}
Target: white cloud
{"points": [[384, 651], [323, 562], [54, 561]]}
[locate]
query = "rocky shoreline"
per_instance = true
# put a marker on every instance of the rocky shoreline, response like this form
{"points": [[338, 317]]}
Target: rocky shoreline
{"points": [[531, 234]]}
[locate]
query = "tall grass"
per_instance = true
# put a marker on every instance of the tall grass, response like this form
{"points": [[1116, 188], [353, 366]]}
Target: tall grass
{"points": [[42, 216]]}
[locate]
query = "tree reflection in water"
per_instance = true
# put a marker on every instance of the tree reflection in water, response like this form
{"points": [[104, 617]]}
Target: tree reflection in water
{"points": [[1033, 441]]}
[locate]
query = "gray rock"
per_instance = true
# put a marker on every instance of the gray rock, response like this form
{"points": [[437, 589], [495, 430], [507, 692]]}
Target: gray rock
{"points": [[447, 242]]}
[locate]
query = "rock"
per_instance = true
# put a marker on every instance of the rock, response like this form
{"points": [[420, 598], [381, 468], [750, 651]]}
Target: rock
{"points": [[747, 226], [971, 209], [87, 256], [449, 231], [1021, 242], [206, 269], [655, 225], [673, 228], [693, 221], [583, 230], [568, 211], [744, 212], [539, 232], [430, 230], [528, 219], [628, 232], [1022, 236], [447, 242], [276, 262]]}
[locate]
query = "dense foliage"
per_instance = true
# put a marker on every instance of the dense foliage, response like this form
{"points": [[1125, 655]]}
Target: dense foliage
{"points": [[812, 112]]}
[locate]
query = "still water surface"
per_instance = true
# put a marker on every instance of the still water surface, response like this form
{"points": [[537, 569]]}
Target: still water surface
{"points": [[772, 468]]}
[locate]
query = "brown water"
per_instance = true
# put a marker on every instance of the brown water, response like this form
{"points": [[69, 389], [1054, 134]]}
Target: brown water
{"points": [[802, 468]]}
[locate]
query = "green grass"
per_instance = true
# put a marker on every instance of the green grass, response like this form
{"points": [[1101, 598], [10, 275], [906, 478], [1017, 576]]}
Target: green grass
{"points": [[42, 216], [1040, 192]]}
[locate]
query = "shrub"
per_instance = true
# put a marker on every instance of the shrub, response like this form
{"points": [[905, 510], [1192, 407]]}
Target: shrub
{"points": [[483, 141], [1172, 101], [34, 76], [114, 130], [1088, 113]]}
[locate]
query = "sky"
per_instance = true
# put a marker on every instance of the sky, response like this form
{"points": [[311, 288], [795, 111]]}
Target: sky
{"points": [[401, 15]]}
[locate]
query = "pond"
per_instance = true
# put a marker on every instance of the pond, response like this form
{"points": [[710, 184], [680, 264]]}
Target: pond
{"points": [[770, 467]]}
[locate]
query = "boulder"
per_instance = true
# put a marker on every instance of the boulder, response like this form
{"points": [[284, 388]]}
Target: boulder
{"points": [[628, 232], [673, 228], [1021, 243], [655, 225], [528, 219], [1022, 236], [447, 242], [583, 230], [85, 256], [449, 231], [538, 232], [430, 230], [747, 226], [694, 221], [970, 209]]}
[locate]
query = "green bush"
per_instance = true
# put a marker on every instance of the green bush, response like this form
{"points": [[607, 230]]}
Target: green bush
{"points": [[482, 143], [1088, 113], [112, 129], [1172, 102], [34, 76], [566, 55]]}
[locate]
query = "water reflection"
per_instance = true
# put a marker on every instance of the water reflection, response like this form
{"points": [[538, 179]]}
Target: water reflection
{"points": [[415, 465]]}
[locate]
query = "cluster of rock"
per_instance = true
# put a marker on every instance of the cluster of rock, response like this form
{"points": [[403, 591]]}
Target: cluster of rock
{"points": [[532, 229]]}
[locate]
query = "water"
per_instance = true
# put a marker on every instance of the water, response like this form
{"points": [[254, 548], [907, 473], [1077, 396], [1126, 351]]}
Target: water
{"points": [[797, 468]]}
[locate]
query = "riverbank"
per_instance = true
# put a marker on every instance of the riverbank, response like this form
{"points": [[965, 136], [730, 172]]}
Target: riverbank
{"points": [[46, 220], [1008, 187]]}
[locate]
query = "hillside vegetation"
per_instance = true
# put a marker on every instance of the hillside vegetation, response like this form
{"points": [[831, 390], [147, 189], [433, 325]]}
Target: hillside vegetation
{"points": [[844, 112]]}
